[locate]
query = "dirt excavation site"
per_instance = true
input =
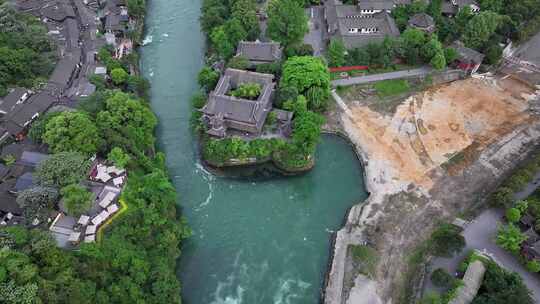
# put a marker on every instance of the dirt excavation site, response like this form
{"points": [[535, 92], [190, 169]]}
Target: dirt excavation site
{"points": [[430, 157]]}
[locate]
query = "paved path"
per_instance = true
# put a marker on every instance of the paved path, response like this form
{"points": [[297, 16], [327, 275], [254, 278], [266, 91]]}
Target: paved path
{"points": [[480, 234], [385, 76]]}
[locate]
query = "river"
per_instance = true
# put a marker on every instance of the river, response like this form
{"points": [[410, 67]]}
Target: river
{"points": [[258, 240]]}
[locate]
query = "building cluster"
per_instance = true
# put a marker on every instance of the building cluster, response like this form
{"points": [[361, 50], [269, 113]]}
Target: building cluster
{"points": [[370, 21], [79, 29], [226, 115], [105, 182]]}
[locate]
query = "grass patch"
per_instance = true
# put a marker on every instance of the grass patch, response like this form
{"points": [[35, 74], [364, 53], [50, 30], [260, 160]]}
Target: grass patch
{"points": [[366, 257], [392, 87]]}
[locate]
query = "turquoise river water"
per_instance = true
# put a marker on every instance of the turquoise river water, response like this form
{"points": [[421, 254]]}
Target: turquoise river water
{"points": [[257, 240]]}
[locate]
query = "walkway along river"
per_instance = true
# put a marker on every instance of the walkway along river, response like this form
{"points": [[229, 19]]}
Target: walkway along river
{"points": [[256, 241]]}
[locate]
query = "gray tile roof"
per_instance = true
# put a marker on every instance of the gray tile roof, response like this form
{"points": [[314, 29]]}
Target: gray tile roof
{"points": [[16, 121], [340, 18], [467, 55], [58, 11], [223, 111], [32, 158], [25, 181], [421, 20], [376, 4], [8, 202], [260, 51]]}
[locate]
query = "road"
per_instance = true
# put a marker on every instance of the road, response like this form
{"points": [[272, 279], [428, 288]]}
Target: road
{"points": [[385, 76], [480, 234]]}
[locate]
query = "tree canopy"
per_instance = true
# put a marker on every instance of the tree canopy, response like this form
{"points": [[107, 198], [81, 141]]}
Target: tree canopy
{"points": [[287, 22], [72, 131], [77, 199], [62, 169]]}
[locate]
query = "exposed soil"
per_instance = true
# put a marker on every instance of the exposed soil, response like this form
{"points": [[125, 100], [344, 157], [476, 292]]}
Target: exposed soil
{"points": [[436, 155]]}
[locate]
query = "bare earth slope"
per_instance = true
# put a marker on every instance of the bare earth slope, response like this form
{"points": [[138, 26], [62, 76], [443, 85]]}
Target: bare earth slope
{"points": [[436, 155]]}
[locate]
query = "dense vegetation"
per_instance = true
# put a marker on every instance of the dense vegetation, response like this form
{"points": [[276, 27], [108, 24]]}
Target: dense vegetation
{"points": [[135, 261], [304, 81], [27, 55]]}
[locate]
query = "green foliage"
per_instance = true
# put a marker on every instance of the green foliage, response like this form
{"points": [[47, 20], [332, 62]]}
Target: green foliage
{"points": [[493, 54], [105, 56], [246, 12], [533, 266], [522, 206], [118, 157], [119, 76], [268, 68], [127, 123], [503, 197], [77, 199], [402, 13], [99, 81], [510, 238], [447, 240], [450, 54], [9, 160], [336, 53], [480, 28], [37, 129], [391, 87], [238, 62], [198, 100], [250, 90], [431, 298], [287, 22], [62, 169], [136, 8], [304, 73], [221, 43], [441, 278], [208, 78], [513, 215], [27, 55], [501, 287], [438, 61], [37, 202], [219, 151], [72, 131]]}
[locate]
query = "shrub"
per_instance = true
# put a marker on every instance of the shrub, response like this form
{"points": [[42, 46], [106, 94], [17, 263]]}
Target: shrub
{"points": [[513, 215], [77, 199], [503, 197], [441, 278], [533, 266], [447, 240], [247, 90], [119, 76], [238, 62]]}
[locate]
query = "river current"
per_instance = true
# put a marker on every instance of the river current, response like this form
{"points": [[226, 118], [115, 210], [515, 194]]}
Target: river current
{"points": [[256, 240]]}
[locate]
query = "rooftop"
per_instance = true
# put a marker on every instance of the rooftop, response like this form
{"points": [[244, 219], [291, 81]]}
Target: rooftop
{"points": [[466, 54], [223, 111], [260, 51], [422, 21]]}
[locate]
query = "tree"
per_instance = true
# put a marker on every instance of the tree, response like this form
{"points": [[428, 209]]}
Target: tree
{"points": [[513, 215], [235, 31], [431, 48], [441, 278], [127, 123], [450, 54], [491, 5], [248, 90], [246, 12], [336, 53], [447, 240], [77, 199], [37, 129], [438, 61], [434, 8], [37, 202], [238, 62], [480, 28], [510, 238], [118, 157], [287, 22], [136, 8], [72, 131], [412, 41], [62, 169], [304, 73], [221, 43], [493, 54], [533, 266], [208, 78], [119, 76]]}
